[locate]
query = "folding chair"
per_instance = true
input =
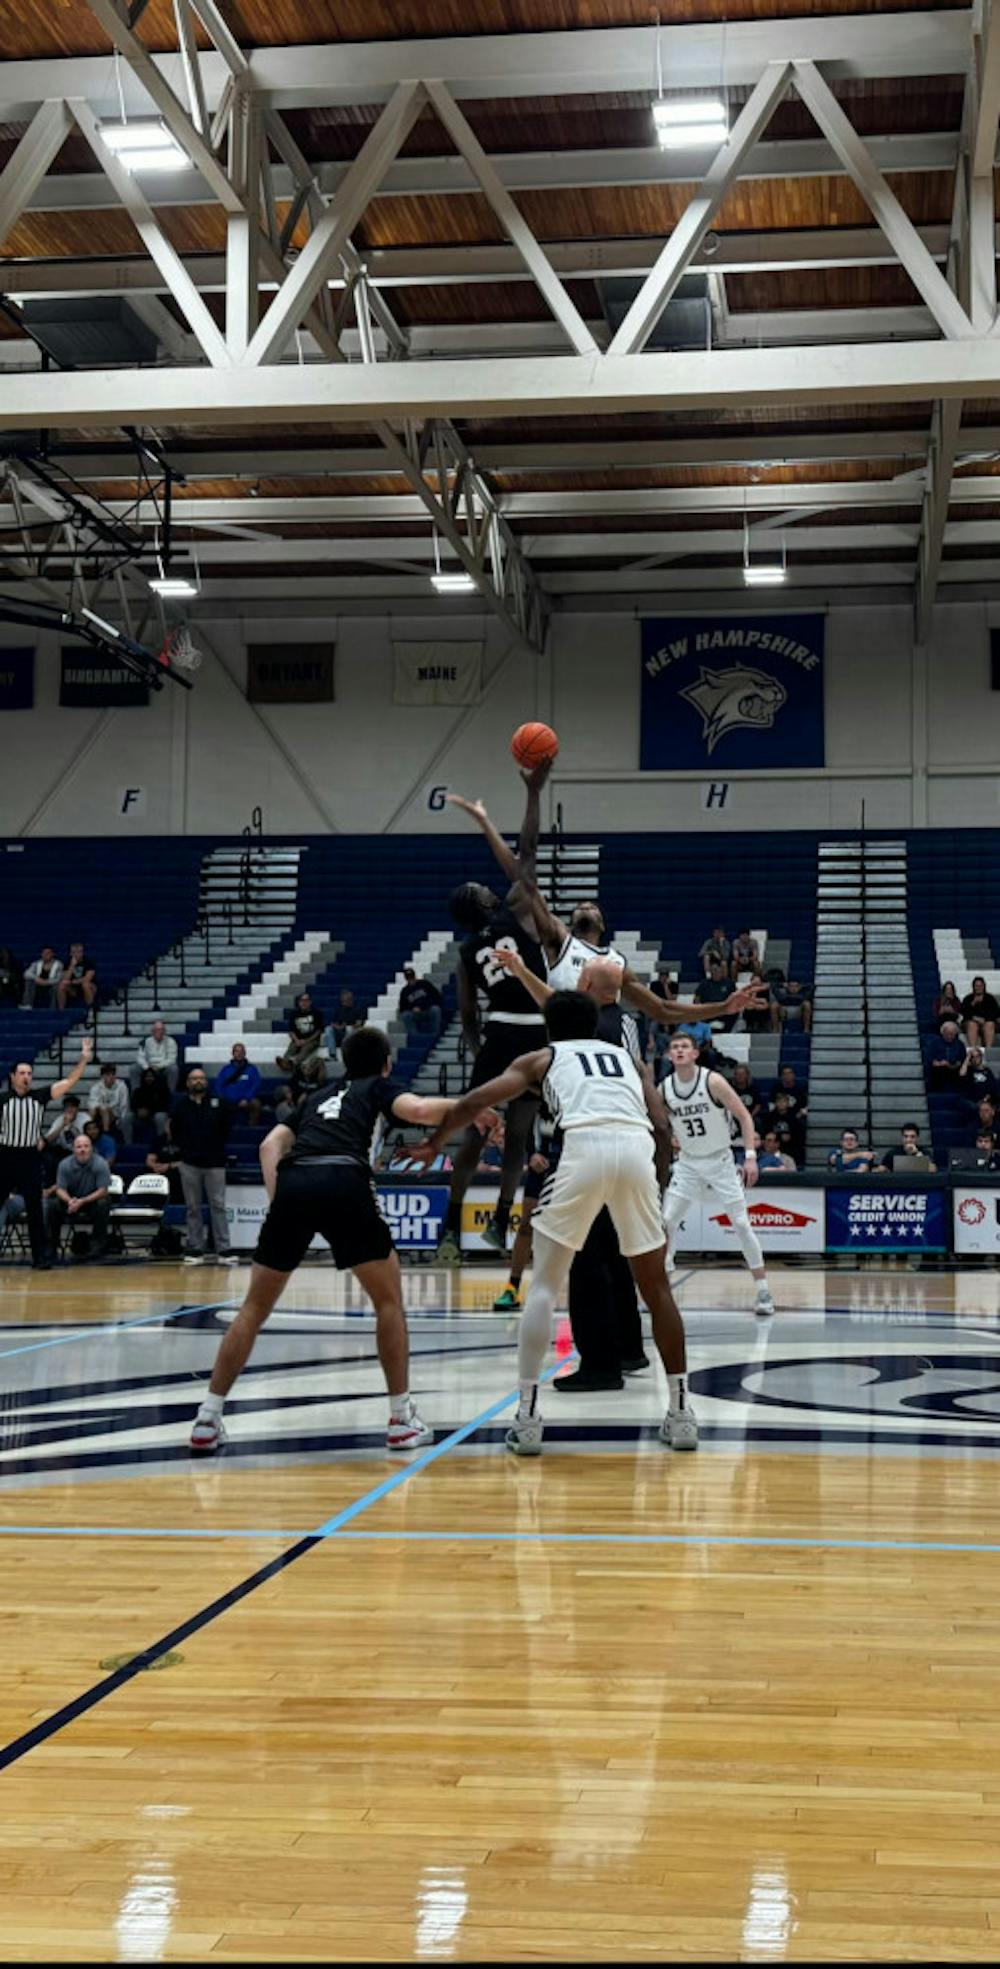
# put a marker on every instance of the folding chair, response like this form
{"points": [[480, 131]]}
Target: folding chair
{"points": [[142, 1205]]}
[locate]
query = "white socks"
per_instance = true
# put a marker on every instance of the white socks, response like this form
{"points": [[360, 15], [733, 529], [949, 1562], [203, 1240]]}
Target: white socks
{"points": [[212, 1407], [399, 1407], [678, 1395], [527, 1406]]}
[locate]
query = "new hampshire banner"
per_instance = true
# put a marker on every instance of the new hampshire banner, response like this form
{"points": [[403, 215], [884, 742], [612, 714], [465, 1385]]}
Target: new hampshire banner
{"points": [[731, 690], [437, 673]]}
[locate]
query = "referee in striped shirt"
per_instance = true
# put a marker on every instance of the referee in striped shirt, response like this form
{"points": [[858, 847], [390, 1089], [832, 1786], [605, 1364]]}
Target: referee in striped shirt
{"points": [[22, 1106]]}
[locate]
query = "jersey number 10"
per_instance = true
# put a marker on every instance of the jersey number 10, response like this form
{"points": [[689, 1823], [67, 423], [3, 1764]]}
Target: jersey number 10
{"points": [[607, 1064]]}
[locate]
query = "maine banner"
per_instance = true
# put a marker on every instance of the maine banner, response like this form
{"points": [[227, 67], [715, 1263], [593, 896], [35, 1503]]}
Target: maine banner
{"points": [[733, 691]]}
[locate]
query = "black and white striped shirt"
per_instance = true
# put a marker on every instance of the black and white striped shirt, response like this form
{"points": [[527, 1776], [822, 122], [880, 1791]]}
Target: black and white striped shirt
{"points": [[21, 1117]]}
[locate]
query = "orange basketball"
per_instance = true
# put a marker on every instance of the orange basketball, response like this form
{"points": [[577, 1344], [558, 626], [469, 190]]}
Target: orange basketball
{"points": [[532, 744]]}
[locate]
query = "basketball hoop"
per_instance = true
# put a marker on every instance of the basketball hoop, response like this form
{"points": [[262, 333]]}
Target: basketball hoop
{"points": [[179, 650]]}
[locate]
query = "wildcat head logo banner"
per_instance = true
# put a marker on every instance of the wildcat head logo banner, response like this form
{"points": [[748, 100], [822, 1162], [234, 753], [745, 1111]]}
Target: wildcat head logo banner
{"points": [[739, 691]]}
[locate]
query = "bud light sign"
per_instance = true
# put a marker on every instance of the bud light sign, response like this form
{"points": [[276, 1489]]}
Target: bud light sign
{"points": [[414, 1213]]}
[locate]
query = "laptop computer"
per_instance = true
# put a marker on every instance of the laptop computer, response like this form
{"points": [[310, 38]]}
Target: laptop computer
{"points": [[969, 1158]]}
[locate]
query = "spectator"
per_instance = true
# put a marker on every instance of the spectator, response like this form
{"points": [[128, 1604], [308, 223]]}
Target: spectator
{"points": [[664, 987], [975, 1079], [420, 1005], [714, 990], [981, 1013], [781, 1119], [773, 1157], [716, 949], [757, 1018], [163, 1160], [157, 1053], [305, 1034], [101, 1142], [850, 1158], [491, 1154], [40, 980], [11, 977], [947, 1004], [347, 1016], [741, 1080], [110, 1100], [199, 1125], [83, 1180], [238, 1082], [986, 1118], [285, 1105], [78, 981], [985, 1145], [943, 1056], [58, 1140], [791, 1004], [745, 954], [22, 1107], [150, 1099], [797, 1091], [911, 1157]]}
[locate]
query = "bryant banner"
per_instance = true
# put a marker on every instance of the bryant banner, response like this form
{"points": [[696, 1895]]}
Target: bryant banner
{"points": [[730, 691], [290, 673], [438, 673]]}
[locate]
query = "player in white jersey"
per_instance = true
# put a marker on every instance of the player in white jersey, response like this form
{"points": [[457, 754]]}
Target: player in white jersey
{"points": [[700, 1104], [564, 973], [608, 1111]]}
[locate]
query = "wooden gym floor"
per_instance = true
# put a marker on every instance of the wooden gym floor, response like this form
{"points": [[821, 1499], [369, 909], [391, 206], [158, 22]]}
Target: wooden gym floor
{"points": [[613, 1704]]}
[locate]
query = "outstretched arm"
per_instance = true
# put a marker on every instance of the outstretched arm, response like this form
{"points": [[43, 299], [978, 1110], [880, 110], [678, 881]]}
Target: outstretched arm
{"points": [[673, 1012], [431, 1110], [502, 854], [512, 961], [525, 1073], [67, 1085]]}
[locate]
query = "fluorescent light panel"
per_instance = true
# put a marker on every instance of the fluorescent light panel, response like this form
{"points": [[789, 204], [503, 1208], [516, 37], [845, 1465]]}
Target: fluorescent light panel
{"points": [[453, 584], [764, 574], [172, 586], [684, 125], [144, 145]]}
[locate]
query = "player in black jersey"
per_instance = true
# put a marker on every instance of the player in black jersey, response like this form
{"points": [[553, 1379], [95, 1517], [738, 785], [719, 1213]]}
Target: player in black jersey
{"points": [[511, 1024], [317, 1172]]}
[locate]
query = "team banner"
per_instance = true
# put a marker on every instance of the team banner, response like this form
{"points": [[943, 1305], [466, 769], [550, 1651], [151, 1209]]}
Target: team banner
{"points": [[91, 681], [17, 679], [977, 1220], [730, 691], [886, 1220], [293, 673], [438, 673], [784, 1220]]}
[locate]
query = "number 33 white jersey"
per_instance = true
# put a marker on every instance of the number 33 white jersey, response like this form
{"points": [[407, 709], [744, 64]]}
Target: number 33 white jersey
{"points": [[591, 1084], [700, 1122]]}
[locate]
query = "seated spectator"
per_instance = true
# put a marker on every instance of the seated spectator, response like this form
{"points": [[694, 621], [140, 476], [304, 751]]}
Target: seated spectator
{"points": [[757, 1018], [714, 990], [58, 1140], [151, 1099], [716, 949], [980, 1013], [781, 1119], [975, 1079], [163, 1160], [157, 1053], [792, 1005], [850, 1158], [100, 1141], [742, 1082], [772, 1156], [40, 980], [986, 1118], [664, 986], [491, 1154], [947, 1004], [305, 1035], [745, 954], [986, 1148], [80, 1196], [11, 1211], [347, 1015], [285, 1104], [797, 1091], [911, 1158], [11, 977], [943, 1056], [238, 1082], [79, 980], [110, 1100], [420, 1006]]}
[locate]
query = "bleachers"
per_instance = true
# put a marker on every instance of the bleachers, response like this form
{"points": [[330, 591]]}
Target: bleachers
{"points": [[955, 884]]}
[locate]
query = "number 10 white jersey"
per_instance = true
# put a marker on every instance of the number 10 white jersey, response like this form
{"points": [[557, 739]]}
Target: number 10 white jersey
{"points": [[591, 1084], [701, 1123]]}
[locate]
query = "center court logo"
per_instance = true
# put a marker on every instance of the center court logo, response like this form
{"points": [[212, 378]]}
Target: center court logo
{"points": [[736, 699]]}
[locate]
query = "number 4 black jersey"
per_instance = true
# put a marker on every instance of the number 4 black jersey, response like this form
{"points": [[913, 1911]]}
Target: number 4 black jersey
{"points": [[344, 1124], [504, 994]]}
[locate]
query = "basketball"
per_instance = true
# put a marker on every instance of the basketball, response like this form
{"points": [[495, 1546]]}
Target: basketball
{"points": [[532, 744]]}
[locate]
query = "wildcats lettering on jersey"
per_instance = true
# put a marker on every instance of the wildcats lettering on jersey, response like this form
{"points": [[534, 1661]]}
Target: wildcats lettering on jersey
{"points": [[564, 974], [505, 995], [592, 1084], [700, 1123]]}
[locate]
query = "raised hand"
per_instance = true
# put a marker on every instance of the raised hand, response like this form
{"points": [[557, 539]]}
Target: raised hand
{"points": [[509, 960], [86, 1050], [749, 997], [536, 778], [477, 808]]}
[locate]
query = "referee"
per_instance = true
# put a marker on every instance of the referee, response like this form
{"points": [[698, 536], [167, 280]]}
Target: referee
{"points": [[22, 1106]]}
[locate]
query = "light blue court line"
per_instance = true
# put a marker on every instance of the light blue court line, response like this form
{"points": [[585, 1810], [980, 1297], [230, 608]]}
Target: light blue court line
{"points": [[103, 1326], [338, 1529]]}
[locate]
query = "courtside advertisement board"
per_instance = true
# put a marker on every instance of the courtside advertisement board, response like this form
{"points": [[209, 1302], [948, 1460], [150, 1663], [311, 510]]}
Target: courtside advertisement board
{"points": [[977, 1221], [793, 1220]]}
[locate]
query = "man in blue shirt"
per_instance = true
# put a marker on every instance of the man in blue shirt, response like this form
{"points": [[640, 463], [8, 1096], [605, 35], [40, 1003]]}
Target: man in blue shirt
{"points": [[238, 1082], [850, 1158]]}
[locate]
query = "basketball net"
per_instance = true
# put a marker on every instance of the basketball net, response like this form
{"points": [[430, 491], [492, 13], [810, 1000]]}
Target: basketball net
{"points": [[179, 650]]}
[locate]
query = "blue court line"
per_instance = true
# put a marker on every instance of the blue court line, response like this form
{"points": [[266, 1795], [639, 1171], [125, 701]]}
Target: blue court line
{"points": [[105, 1326], [79, 1705], [498, 1537]]}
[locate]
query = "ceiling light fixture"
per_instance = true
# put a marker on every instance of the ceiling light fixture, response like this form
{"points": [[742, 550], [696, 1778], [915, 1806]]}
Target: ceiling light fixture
{"points": [[763, 573], [686, 125], [144, 145], [456, 583], [172, 587]]}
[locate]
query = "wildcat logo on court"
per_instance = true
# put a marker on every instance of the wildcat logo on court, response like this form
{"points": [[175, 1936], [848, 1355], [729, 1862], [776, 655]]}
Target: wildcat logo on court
{"points": [[733, 700]]}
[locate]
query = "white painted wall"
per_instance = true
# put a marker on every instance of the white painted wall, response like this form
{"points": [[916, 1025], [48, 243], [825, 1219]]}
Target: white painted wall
{"points": [[363, 764]]}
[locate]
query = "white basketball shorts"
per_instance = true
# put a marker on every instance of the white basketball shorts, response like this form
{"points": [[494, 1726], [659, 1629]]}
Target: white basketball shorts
{"points": [[693, 1179], [598, 1166]]}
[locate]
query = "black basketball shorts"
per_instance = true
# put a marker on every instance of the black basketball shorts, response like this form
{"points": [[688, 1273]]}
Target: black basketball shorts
{"points": [[334, 1200]]}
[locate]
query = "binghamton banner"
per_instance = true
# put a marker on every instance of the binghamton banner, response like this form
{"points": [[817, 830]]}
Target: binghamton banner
{"points": [[731, 690], [438, 673]]}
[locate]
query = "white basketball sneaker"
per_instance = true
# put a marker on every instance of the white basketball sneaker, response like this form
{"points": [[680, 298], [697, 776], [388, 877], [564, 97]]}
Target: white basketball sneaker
{"points": [[408, 1432], [524, 1437], [679, 1428], [207, 1435], [765, 1304]]}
